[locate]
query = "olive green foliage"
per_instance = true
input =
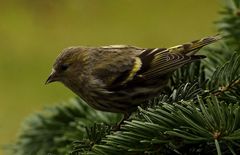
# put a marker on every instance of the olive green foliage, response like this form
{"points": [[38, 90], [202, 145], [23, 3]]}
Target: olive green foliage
{"points": [[198, 113]]}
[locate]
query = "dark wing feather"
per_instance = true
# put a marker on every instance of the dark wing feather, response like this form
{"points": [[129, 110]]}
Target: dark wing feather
{"points": [[168, 62], [147, 56]]}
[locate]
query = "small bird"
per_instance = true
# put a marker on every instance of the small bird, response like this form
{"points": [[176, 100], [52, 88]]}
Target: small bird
{"points": [[118, 78]]}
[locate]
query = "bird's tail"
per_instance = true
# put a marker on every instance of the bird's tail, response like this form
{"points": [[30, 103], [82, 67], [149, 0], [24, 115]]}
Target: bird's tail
{"points": [[191, 48]]}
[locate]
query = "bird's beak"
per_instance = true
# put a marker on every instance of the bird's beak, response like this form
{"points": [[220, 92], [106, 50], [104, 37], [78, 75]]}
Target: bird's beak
{"points": [[52, 77]]}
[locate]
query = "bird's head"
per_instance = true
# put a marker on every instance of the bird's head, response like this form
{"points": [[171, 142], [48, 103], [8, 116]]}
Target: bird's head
{"points": [[67, 65]]}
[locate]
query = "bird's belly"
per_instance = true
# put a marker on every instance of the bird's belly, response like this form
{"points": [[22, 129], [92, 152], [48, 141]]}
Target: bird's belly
{"points": [[120, 101]]}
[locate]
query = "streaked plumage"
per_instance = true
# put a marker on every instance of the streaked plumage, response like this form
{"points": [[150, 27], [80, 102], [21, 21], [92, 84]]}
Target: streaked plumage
{"points": [[118, 78]]}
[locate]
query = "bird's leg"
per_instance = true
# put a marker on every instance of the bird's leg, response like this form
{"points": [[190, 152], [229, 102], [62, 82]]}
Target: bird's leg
{"points": [[125, 117]]}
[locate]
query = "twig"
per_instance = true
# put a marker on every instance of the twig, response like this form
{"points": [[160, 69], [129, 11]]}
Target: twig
{"points": [[227, 87]]}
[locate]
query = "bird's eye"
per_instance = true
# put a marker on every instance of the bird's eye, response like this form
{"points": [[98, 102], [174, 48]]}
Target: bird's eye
{"points": [[64, 67]]}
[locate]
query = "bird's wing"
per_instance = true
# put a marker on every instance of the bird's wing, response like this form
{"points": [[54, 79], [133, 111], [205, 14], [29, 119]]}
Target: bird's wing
{"points": [[127, 67], [157, 62]]}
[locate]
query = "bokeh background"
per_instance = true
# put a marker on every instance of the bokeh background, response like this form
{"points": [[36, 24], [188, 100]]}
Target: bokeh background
{"points": [[32, 33]]}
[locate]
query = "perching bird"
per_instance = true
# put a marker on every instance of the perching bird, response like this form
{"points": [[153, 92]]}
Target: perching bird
{"points": [[118, 78]]}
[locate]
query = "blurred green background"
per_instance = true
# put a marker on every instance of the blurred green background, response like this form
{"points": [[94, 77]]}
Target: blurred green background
{"points": [[32, 33]]}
